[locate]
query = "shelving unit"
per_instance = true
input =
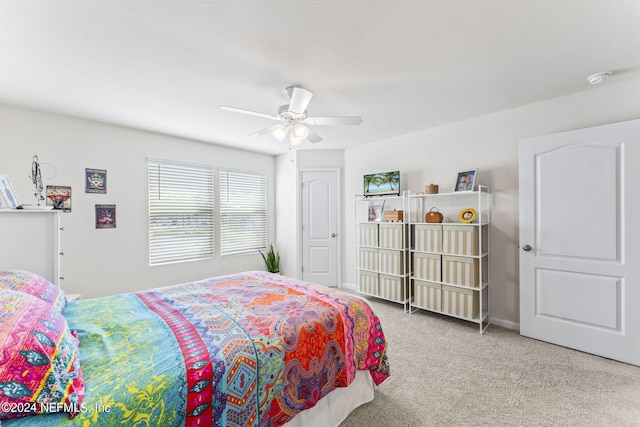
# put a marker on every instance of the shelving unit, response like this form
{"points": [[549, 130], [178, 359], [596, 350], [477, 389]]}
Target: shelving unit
{"points": [[450, 260], [382, 251]]}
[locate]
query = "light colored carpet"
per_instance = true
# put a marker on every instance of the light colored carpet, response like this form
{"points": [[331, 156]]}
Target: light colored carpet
{"points": [[444, 373]]}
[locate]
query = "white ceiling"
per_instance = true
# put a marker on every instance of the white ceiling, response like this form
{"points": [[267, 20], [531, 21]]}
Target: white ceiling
{"points": [[404, 66]]}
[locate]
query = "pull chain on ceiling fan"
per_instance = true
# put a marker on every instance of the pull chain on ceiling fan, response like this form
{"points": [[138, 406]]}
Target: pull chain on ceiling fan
{"points": [[294, 120]]}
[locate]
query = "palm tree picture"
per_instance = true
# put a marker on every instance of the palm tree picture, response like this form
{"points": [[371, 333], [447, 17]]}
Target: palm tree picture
{"points": [[382, 183]]}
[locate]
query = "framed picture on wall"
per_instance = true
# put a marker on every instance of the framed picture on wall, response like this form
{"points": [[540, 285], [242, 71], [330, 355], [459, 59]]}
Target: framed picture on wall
{"points": [[105, 216], [95, 181], [59, 197], [466, 180], [8, 196]]}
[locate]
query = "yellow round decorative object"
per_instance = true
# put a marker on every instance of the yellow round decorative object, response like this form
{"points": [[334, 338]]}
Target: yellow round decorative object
{"points": [[467, 215]]}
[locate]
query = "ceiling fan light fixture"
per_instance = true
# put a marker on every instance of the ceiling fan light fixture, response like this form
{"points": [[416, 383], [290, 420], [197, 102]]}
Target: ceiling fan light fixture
{"points": [[293, 117], [280, 132], [300, 131], [295, 140]]}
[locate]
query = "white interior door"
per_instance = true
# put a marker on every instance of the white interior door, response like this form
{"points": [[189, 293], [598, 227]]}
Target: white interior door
{"points": [[580, 239], [320, 226]]}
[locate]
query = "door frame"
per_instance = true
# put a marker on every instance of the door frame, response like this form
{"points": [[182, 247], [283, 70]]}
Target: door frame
{"points": [[338, 213]]}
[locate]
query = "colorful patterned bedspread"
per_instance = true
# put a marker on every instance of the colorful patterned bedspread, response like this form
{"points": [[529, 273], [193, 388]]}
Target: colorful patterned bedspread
{"points": [[250, 349]]}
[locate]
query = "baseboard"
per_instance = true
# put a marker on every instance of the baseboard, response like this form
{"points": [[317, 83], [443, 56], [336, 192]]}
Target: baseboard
{"points": [[350, 286], [505, 324]]}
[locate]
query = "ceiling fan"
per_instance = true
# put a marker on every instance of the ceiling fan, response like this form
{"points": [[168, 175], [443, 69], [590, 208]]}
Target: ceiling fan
{"points": [[293, 118]]}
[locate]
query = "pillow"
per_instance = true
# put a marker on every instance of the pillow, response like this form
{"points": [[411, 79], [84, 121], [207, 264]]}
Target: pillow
{"points": [[39, 363], [32, 284]]}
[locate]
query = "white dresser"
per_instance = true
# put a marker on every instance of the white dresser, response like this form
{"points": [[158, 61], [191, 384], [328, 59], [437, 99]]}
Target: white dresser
{"points": [[30, 240]]}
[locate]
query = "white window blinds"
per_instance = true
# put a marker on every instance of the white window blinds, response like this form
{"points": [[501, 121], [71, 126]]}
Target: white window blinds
{"points": [[243, 212], [181, 215]]}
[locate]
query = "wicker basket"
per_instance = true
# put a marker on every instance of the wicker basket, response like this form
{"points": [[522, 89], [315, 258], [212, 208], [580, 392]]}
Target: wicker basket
{"points": [[431, 189], [433, 216]]}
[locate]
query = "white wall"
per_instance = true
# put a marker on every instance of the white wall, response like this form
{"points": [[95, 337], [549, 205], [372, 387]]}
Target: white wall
{"points": [[286, 214], [106, 261], [489, 143], [101, 262]]}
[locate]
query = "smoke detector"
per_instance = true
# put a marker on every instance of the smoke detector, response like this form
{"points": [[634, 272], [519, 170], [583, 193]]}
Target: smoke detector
{"points": [[596, 78]]}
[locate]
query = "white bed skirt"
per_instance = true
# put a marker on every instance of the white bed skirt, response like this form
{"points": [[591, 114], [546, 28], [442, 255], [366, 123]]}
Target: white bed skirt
{"points": [[337, 405]]}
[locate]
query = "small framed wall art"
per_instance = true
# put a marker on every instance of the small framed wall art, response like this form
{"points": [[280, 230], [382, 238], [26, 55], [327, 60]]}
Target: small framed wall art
{"points": [[466, 180], [59, 197], [105, 216], [95, 181]]}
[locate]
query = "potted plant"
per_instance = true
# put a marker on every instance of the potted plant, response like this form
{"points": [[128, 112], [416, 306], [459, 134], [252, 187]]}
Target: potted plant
{"points": [[272, 260]]}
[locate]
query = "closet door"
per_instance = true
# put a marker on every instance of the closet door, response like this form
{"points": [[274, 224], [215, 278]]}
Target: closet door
{"points": [[320, 224], [580, 240]]}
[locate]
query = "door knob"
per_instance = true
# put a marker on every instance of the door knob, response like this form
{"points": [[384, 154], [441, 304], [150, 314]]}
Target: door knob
{"points": [[333, 234], [526, 248]]}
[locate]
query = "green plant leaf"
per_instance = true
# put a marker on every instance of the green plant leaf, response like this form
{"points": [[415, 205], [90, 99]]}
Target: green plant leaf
{"points": [[271, 260]]}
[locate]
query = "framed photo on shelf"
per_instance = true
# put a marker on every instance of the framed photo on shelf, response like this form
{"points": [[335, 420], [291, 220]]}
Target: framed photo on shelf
{"points": [[467, 215], [376, 212], [8, 196], [466, 180]]}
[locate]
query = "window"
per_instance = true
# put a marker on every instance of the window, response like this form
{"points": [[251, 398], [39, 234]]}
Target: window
{"points": [[243, 212], [181, 215]]}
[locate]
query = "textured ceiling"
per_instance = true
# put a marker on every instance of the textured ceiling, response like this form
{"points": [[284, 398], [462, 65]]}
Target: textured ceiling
{"points": [[404, 66]]}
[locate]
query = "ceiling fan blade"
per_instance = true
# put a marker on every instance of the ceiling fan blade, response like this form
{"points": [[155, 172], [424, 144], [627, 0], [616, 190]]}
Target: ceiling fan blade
{"points": [[336, 120], [265, 130], [312, 136], [252, 113], [300, 99]]}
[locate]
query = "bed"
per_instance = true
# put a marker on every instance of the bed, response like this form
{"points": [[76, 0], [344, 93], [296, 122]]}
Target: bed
{"points": [[248, 349]]}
